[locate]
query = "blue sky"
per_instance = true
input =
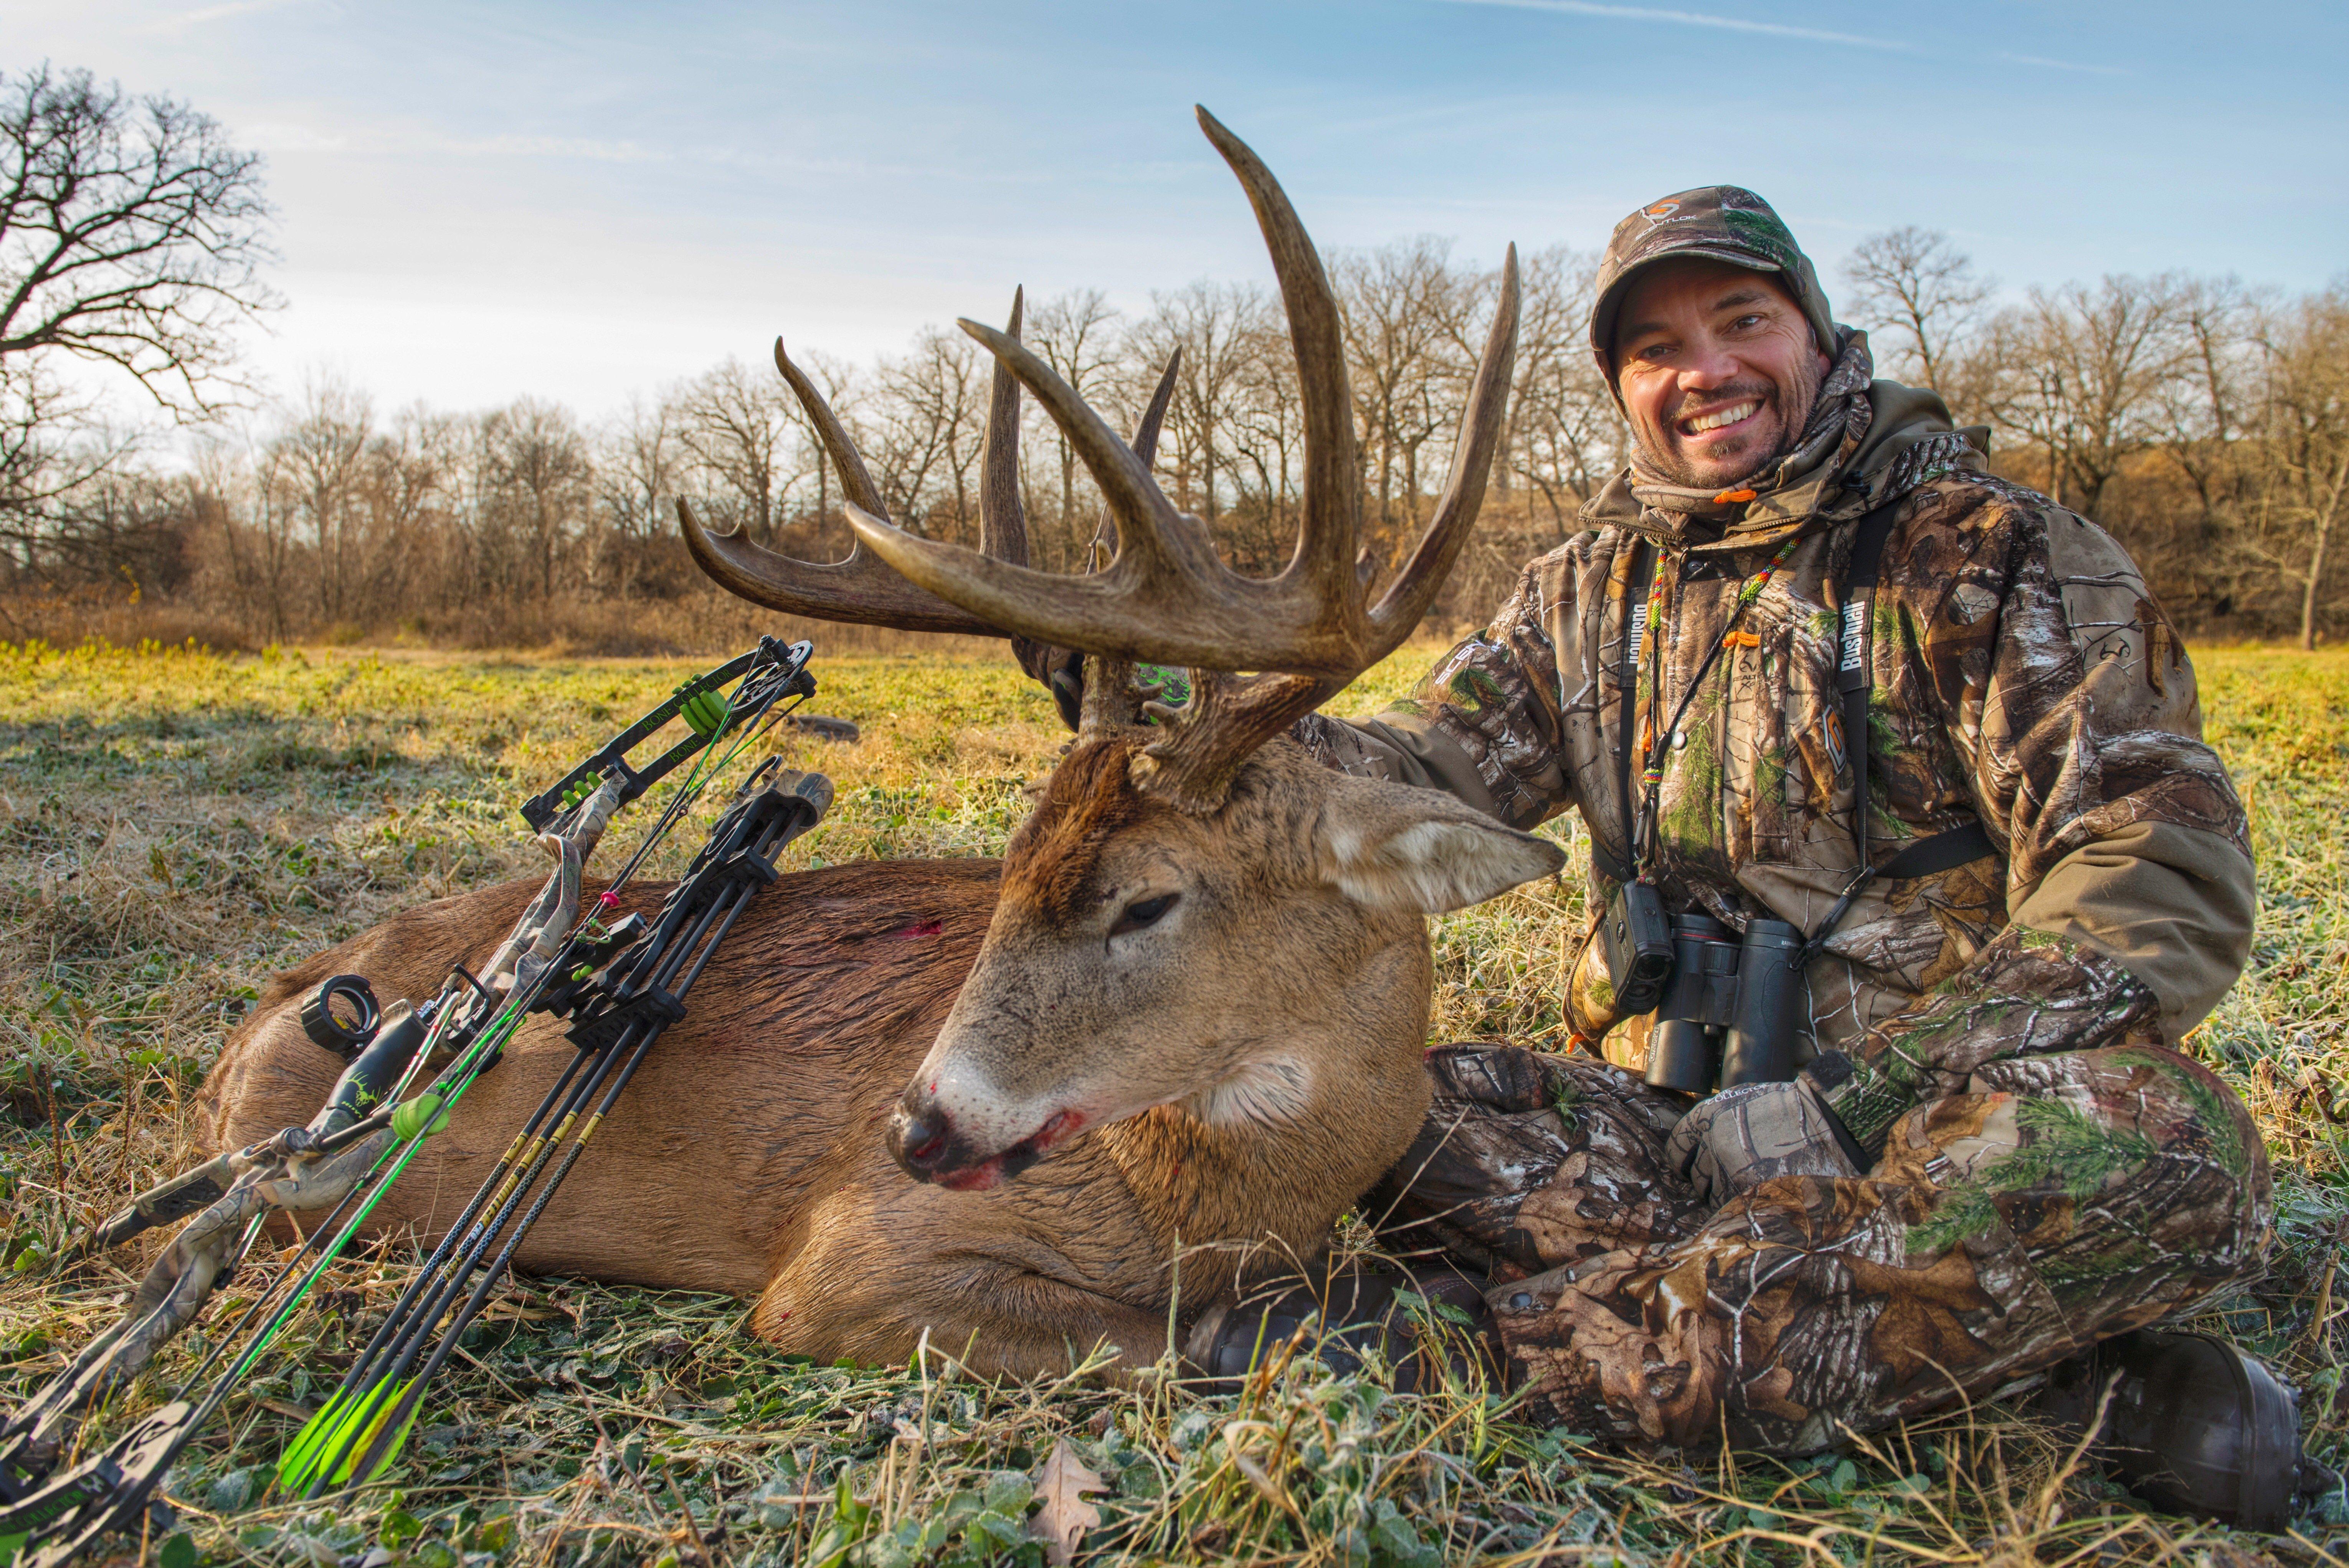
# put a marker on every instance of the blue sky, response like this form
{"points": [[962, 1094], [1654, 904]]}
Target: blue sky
{"points": [[581, 200]]}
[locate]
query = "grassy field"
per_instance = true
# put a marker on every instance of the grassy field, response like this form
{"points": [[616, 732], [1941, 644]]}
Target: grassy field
{"points": [[174, 826]]}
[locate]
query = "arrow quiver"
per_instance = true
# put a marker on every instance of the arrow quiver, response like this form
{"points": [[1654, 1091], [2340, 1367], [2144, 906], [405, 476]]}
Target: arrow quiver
{"points": [[621, 984], [618, 1012]]}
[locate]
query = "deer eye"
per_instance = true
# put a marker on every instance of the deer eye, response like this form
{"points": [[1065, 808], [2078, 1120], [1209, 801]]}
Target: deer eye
{"points": [[1143, 912]]}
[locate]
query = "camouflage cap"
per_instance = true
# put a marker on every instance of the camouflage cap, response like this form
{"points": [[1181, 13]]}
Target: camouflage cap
{"points": [[1724, 223]]}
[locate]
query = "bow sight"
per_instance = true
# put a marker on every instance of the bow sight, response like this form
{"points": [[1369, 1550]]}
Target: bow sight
{"points": [[619, 981]]}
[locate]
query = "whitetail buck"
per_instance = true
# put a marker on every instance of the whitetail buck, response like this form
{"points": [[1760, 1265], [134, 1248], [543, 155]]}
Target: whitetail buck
{"points": [[1198, 983]]}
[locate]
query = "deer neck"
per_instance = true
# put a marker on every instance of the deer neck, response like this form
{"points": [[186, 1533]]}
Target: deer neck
{"points": [[1249, 1174]]}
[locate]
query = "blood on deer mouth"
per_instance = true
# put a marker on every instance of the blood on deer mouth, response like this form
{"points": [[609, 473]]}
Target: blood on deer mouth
{"points": [[998, 1168]]}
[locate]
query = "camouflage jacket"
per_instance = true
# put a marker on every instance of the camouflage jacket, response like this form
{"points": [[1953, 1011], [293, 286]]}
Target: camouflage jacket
{"points": [[2022, 677]]}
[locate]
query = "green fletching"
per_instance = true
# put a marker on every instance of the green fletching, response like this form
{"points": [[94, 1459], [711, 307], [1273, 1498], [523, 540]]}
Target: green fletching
{"points": [[391, 1450], [419, 1118], [294, 1464], [346, 1426]]}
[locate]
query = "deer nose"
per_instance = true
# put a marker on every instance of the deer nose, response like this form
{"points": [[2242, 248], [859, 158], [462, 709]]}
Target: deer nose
{"points": [[919, 1136]]}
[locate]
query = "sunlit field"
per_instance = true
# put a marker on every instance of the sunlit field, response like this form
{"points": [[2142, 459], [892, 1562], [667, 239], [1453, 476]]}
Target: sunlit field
{"points": [[174, 826]]}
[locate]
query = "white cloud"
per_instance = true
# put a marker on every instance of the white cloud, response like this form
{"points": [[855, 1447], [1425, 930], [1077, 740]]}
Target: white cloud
{"points": [[2044, 61], [554, 147], [1698, 19], [279, 136], [220, 13]]}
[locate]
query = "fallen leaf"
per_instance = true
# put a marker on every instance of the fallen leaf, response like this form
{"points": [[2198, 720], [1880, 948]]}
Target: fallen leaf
{"points": [[1065, 1517]]}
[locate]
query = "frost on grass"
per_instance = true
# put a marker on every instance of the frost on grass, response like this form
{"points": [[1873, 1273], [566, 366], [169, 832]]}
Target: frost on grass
{"points": [[175, 825]]}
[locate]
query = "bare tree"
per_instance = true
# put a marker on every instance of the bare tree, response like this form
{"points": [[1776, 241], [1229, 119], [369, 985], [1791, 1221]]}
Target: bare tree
{"points": [[933, 421], [737, 422], [1565, 433], [319, 459], [260, 531], [1397, 302], [1923, 290], [52, 446], [2206, 405], [535, 479], [1076, 333], [411, 464], [2306, 448], [636, 461], [1265, 432], [1214, 325], [639, 462], [121, 530], [131, 233], [2082, 375]]}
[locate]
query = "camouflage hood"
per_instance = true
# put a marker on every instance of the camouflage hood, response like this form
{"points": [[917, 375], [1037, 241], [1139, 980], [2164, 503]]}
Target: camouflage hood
{"points": [[1866, 441]]}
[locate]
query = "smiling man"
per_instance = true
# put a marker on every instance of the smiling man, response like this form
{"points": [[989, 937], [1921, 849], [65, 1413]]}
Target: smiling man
{"points": [[1814, 678], [1717, 368]]}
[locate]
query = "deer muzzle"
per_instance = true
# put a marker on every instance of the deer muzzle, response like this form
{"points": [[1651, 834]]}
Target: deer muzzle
{"points": [[929, 1144]]}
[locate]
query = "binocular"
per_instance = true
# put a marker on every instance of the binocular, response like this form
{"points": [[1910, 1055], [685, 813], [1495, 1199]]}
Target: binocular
{"points": [[1728, 1011], [1732, 1010]]}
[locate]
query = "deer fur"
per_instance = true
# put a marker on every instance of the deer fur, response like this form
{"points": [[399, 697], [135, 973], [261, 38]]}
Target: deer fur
{"points": [[1235, 1074]]}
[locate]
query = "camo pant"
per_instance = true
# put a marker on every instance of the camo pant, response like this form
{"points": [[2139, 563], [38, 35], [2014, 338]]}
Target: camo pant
{"points": [[2062, 1200]]}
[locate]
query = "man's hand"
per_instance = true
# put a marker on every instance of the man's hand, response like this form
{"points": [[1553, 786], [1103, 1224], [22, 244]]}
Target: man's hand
{"points": [[1060, 671], [1745, 1136]]}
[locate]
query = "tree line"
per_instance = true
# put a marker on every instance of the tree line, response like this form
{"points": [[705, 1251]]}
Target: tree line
{"points": [[2204, 422]]}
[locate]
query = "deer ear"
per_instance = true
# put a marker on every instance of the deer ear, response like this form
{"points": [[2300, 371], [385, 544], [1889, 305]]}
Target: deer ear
{"points": [[1393, 847]]}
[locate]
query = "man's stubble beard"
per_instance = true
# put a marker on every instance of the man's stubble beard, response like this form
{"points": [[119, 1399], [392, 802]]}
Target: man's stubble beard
{"points": [[1668, 463]]}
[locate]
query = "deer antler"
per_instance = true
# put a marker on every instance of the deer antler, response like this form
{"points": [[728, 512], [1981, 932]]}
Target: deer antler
{"points": [[1112, 699], [1003, 517], [862, 588], [1167, 598]]}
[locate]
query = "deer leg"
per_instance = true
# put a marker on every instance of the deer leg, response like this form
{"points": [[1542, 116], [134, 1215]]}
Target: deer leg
{"points": [[866, 1291]]}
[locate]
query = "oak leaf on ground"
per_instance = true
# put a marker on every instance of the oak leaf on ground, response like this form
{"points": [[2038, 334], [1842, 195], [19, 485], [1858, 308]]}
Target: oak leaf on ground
{"points": [[1065, 1517]]}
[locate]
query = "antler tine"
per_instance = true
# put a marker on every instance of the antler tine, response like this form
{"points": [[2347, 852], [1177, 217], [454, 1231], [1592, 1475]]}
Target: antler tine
{"points": [[1122, 474], [1153, 413], [1111, 701], [1399, 609], [1206, 743], [855, 483], [1166, 598], [1002, 520], [1331, 505], [860, 589], [1002, 517], [1145, 436]]}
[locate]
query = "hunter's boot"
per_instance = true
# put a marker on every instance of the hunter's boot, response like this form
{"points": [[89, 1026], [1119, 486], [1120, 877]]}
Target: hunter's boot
{"points": [[1339, 1318], [2194, 1426]]}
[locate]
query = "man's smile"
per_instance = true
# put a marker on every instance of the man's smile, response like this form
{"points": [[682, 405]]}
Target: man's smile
{"points": [[1722, 420]]}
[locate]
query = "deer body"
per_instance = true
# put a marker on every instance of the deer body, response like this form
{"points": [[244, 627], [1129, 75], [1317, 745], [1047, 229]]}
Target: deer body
{"points": [[1169, 1046], [750, 1156], [787, 1061]]}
